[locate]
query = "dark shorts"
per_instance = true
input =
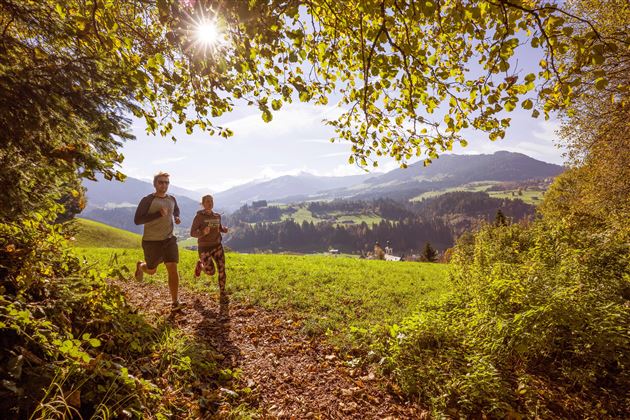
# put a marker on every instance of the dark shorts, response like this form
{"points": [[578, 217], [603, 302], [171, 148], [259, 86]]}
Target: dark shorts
{"points": [[156, 252]]}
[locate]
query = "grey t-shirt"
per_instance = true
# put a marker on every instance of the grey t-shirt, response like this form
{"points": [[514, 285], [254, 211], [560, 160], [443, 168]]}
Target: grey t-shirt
{"points": [[156, 226]]}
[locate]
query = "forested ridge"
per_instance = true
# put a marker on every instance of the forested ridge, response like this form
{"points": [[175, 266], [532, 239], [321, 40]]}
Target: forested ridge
{"points": [[408, 227]]}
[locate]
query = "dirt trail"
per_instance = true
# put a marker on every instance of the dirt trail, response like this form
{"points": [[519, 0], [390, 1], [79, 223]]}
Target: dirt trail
{"points": [[293, 376]]}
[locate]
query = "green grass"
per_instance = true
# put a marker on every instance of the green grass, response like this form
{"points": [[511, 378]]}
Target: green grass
{"points": [[528, 196], [326, 293], [302, 214], [472, 187], [187, 242], [358, 218], [94, 234]]}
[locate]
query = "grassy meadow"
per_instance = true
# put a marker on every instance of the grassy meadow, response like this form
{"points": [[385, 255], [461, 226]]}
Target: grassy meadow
{"points": [[303, 214], [329, 293], [95, 234], [529, 196]]}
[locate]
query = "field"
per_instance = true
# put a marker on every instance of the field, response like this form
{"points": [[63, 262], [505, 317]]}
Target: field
{"points": [[187, 242], [529, 196], [472, 187], [95, 234], [327, 293], [302, 214]]}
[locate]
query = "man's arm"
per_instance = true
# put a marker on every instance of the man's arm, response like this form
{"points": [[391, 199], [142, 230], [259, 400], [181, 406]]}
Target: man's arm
{"points": [[176, 208], [176, 211], [142, 212]]}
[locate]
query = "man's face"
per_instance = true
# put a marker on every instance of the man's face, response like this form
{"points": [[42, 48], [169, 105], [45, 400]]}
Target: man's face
{"points": [[161, 184]]}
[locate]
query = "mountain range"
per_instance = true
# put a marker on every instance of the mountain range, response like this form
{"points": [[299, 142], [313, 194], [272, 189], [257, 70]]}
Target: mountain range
{"points": [[114, 202], [446, 172]]}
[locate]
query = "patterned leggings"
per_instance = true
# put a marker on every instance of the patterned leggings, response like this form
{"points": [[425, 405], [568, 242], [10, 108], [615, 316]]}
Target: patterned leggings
{"points": [[206, 255]]}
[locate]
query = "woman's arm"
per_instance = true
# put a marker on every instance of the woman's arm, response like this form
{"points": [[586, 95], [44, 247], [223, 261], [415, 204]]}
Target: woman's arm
{"points": [[195, 230]]}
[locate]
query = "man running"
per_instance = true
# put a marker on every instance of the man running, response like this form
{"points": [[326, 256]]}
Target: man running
{"points": [[156, 212]]}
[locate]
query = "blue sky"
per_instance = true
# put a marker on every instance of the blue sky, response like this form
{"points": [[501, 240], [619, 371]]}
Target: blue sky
{"points": [[295, 140]]}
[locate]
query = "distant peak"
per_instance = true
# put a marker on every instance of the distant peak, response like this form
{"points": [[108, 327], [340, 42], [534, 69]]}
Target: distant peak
{"points": [[505, 153]]}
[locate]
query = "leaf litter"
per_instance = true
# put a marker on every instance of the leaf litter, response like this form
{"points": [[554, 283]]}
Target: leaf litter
{"points": [[279, 372]]}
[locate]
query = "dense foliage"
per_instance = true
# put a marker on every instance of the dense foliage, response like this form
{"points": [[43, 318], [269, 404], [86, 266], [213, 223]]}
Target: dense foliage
{"points": [[71, 346], [537, 326], [438, 220]]}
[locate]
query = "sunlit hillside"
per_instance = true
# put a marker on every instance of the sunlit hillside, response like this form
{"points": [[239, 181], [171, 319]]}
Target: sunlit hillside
{"points": [[99, 235]]}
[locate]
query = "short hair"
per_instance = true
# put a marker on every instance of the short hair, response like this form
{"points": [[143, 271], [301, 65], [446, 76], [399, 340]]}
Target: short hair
{"points": [[159, 174], [205, 197]]}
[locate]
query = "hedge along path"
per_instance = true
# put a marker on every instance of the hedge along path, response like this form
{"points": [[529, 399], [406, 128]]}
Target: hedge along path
{"points": [[291, 375]]}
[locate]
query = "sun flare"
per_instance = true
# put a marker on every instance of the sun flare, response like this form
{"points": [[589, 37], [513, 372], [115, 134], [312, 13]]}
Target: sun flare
{"points": [[207, 33]]}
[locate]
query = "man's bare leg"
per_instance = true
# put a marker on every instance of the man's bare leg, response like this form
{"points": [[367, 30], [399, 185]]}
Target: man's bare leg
{"points": [[173, 280]]}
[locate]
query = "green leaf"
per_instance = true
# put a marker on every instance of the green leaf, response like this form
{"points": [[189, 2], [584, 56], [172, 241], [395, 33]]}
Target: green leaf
{"points": [[267, 116], [60, 11], [305, 96]]}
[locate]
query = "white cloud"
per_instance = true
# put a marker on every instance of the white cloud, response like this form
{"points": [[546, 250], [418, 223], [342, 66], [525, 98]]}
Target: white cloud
{"points": [[547, 131], [273, 165], [138, 173], [328, 155], [168, 160], [268, 172], [286, 120], [319, 141]]}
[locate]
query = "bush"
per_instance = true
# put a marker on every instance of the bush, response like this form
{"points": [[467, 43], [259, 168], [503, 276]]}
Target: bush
{"points": [[70, 345], [540, 315]]}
